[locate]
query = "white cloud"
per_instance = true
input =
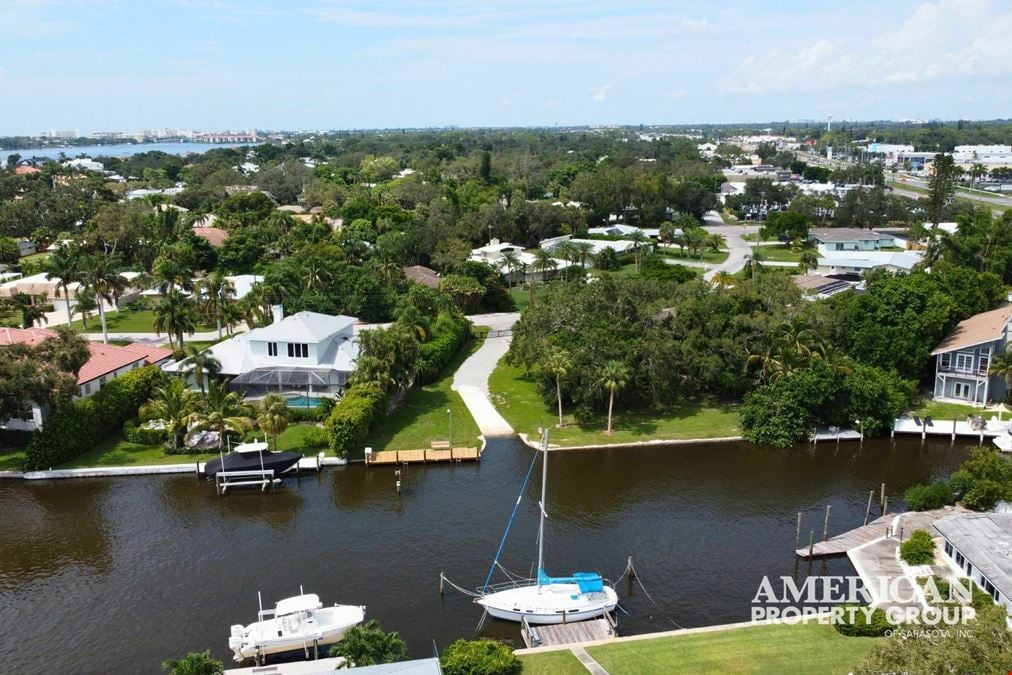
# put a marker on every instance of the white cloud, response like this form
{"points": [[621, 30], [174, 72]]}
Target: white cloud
{"points": [[599, 94], [939, 40]]}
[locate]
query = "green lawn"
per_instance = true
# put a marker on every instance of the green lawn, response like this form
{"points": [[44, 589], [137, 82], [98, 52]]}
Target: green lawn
{"points": [[802, 648], [117, 451], [778, 253], [522, 296], [552, 663], [36, 257], [947, 411], [126, 321], [422, 417], [714, 257], [12, 459], [517, 399]]}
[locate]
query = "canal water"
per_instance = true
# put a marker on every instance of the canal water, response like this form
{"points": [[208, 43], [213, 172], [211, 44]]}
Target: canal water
{"points": [[116, 150], [115, 575]]}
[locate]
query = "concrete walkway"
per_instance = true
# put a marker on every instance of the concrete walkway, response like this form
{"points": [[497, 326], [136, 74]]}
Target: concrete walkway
{"points": [[587, 661], [471, 379], [310, 463]]}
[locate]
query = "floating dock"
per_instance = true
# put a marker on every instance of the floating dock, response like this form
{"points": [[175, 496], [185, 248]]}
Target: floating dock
{"points": [[388, 457], [554, 635]]}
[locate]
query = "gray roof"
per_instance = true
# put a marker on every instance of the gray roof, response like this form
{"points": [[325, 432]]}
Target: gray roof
{"points": [[986, 541], [847, 234], [303, 327]]}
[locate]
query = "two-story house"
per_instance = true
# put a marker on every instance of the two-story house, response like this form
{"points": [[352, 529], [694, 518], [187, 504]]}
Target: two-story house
{"points": [[305, 354], [963, 358]]}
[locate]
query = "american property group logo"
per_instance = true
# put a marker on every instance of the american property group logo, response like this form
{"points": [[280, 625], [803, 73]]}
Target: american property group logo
{"points": [[907, 607]]}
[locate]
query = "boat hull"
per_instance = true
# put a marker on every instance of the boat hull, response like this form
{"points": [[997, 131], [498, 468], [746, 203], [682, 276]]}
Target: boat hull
{"points": [[275, 636], [543, 605], [280, 462]]}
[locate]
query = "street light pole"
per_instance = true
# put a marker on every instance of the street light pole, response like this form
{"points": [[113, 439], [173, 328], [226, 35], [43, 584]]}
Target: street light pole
{"points": [[449, 417]]}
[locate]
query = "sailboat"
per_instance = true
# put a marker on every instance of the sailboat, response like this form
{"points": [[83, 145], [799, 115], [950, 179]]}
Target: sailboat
{"points": [[547, 599]]}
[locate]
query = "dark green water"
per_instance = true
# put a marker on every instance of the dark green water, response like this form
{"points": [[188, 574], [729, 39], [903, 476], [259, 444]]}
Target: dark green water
{"points": [[115, 575]]}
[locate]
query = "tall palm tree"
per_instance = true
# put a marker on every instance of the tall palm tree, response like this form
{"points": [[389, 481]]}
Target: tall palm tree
{"points": [[174, 314], [543, 263], [509, 261], [638, 239], [558, 363], [583, 252], [174, 404], [84, 304], [65, 264], [724, 279], [370, 645], [215, 292], [222, 411], [614, 376], [273, 416], [809, 260], [203, 365], [101, 273]]}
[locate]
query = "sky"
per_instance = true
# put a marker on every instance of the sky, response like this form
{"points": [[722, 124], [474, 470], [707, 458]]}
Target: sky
{"points": [[127, 65]]}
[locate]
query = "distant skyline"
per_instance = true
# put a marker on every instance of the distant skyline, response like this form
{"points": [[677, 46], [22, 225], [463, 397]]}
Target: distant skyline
{"points": [[114, 65]]}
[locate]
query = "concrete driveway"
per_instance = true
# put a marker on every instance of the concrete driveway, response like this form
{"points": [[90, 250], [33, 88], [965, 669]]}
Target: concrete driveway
{"points": [[739, 252]]}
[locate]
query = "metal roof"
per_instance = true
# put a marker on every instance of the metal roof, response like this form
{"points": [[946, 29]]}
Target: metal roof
{"points": [[846, 234], [985, 539]]}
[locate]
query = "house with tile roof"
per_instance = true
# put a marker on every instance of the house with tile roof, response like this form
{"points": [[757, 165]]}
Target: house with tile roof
{"points": [[963, 359], [106, 363]]}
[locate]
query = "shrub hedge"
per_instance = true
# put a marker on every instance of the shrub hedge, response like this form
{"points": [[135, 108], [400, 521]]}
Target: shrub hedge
{"points": [[919, 549], [862, 626], [15, 438], [71, 430], [448, 335], [355, 414], [138, 434], [923, 497]]}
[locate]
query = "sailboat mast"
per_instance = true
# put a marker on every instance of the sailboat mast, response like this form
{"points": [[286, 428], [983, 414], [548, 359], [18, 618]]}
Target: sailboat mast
{"points": [[541, 504]]}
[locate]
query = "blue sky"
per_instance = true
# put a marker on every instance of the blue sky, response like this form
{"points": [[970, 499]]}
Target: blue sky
{"points": [[98, 65]]}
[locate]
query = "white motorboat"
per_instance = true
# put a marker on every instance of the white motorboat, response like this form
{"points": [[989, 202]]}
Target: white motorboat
{"points": [[547, 600], [1004, 441], [297, 623]]}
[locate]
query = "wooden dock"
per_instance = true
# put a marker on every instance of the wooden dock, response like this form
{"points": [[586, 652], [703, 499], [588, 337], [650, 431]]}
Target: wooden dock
{"points": [[430, 455], [841, 543], [553, 635]]}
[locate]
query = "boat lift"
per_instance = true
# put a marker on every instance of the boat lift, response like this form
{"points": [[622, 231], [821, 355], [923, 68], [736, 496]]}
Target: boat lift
{"points": [[223, 480]]}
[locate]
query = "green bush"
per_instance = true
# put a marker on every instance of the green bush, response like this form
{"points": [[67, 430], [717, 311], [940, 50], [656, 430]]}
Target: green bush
{"points": [[73, 429], [926, 497], [351, 419], [919, 549], [15, 438], [862, 626], [983, 479], [138, 434], [448, 335], [317, 438], [479, 657]]}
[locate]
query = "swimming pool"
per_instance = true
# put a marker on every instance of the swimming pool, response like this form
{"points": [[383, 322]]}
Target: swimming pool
{"points": [[303, 402]]}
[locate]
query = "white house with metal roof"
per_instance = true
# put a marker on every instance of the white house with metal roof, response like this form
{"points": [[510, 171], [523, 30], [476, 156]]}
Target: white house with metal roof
{"points": [[978, 546], [305, 354], [963, 358], [831, 263], [849, 239]]}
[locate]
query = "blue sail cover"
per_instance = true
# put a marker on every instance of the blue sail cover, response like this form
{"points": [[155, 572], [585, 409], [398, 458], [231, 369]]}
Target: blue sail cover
{"points": [[589, 582]]}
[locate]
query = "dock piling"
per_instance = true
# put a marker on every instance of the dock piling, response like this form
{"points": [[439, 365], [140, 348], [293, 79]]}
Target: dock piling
{"points": [[441, 577], [811, 542], [882, 496], [797, 534], [825, 524], [885, 505], [867, 511]]}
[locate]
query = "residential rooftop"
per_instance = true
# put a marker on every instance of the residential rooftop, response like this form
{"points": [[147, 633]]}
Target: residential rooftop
{"points": [[978, 329]]}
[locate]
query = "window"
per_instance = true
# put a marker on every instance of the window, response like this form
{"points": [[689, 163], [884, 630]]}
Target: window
{"points": [[298, 350], [948, 549], [24, 412], [272, 348], [87, 387], [964, 362], [945, 360], [101, 381], [983, 363]]}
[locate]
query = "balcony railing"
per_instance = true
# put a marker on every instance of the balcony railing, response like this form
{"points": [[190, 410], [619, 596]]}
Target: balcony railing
{"points": [[971, 372]]}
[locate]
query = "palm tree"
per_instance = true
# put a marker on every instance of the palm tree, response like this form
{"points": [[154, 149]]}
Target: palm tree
{"points": [[543, 263], [410, 316], [273, 417], [222, 411], [215, 292], [558, 363], [583, 252], [31, 313], [203, 365], [369, 645], [1001, 366], [809, 260], [101, 273], [638, 239], [194, 663], [614, 376], [695, 239], [715, 242], [84, 304], [67, 350], [510, 261], [65, 264], [174, 314], [174, 404], [724, 279]]}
